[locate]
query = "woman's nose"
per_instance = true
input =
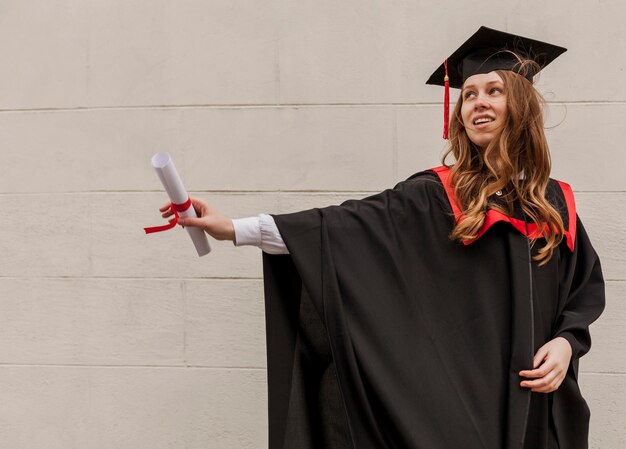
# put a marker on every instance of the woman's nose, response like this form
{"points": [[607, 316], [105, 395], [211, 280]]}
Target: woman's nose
{"points": [[481, 102]]}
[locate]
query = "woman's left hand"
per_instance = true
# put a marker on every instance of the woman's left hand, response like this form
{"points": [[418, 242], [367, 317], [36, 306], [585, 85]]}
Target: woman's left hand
{"points": [[550, 366]]}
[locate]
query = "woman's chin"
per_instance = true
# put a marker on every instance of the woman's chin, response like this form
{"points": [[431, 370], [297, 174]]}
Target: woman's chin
{"points": [[482, 142]]}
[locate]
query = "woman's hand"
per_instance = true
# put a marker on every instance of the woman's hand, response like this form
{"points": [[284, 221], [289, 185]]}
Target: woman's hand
{"points": [[550, 366], [215, 224]]}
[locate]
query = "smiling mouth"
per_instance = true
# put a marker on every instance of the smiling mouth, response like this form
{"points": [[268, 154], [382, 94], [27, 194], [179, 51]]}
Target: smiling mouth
{"points": [[481, 120]]}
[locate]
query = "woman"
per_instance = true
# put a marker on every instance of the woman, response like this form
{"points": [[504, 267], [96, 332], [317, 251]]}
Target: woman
{"points": [[447, 312]]}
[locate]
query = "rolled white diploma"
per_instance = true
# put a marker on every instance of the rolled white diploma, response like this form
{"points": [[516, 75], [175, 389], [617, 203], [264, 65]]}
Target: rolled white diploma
{"points": [[165, 169]]}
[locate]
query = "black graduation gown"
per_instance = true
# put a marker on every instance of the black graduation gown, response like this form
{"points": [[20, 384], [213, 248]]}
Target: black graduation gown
{"points": [[384, 333]]}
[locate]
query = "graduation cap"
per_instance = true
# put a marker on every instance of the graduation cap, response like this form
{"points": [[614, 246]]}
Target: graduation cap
{"points": [[488, 50]]}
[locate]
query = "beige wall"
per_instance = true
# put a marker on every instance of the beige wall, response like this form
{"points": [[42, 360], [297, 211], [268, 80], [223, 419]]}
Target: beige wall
{"points": [[113, 339]]}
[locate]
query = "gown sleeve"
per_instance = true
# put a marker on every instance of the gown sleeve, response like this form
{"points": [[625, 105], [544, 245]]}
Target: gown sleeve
{"points": [[581, 301], [582, 296]]}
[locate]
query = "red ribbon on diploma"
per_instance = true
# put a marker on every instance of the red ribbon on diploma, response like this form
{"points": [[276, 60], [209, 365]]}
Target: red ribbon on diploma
{"points": [[174, 208]]}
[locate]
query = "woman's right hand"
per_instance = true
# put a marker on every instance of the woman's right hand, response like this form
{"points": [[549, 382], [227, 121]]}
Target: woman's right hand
{"points": [[215, 224]]}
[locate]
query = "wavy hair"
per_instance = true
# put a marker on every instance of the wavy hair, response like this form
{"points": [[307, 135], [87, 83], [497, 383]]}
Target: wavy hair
{"points": [[521, 147]]}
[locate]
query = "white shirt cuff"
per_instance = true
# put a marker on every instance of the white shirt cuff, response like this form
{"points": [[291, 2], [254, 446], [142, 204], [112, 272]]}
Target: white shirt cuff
{"points": [[247, 231], [259, 231], [271, 240]]}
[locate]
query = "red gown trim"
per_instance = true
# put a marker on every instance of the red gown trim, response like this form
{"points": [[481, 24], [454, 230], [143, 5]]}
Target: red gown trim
{"points": [[494, 216], [570, 234]]}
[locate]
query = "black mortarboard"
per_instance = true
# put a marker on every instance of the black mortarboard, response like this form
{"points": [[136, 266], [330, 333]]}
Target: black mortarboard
{"points": [[483, 53]]}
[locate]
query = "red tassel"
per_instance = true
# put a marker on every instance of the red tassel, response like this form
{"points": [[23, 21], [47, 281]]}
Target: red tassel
{"points": [[446, 101]]}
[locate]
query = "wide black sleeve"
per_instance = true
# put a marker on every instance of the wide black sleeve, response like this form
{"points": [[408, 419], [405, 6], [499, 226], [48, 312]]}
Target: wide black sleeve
{"points": [[582, 293], [345, 263]]}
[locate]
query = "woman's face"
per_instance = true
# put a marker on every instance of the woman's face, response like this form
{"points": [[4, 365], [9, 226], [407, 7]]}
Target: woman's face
{"points": [[484, 107]]}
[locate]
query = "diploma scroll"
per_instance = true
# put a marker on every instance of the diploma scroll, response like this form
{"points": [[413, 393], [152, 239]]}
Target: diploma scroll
{"points": [[165, 169]]}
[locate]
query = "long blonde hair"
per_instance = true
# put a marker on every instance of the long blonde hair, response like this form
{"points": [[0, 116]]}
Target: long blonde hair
{"points": [[520, 148]]}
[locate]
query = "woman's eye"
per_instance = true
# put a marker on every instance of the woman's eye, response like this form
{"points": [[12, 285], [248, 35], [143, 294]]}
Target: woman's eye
{"points": [[495, 90], [469, 95]]}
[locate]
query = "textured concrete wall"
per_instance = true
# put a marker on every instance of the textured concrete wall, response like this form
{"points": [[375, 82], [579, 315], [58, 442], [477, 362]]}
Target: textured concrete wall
{"points": [[111, 339]]}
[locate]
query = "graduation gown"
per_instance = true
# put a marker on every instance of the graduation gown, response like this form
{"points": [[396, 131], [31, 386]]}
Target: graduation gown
{"points": [[382, 332]]}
